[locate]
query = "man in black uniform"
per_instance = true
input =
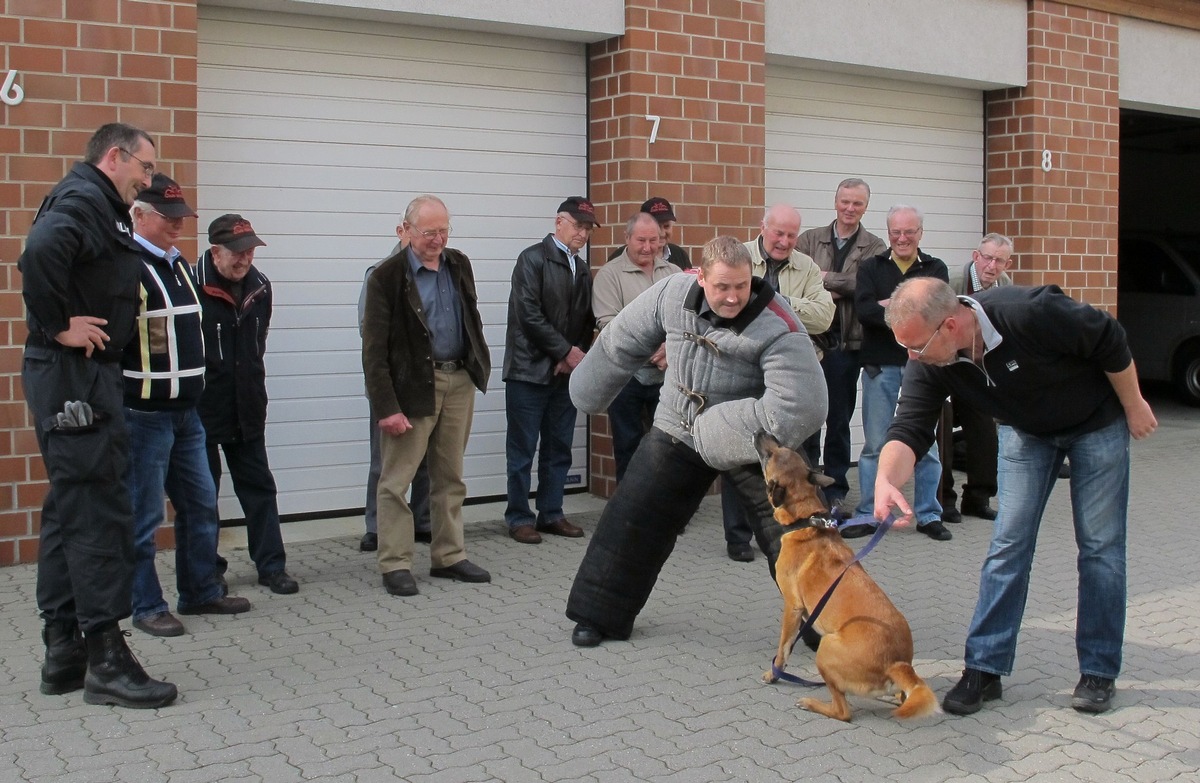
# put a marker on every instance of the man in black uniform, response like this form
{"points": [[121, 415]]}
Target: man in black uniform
{"points": [[80, 274]]}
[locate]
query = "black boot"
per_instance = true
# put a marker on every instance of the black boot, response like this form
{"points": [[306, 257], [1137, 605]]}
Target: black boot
{"points": [[66, 658], [114, 676]]}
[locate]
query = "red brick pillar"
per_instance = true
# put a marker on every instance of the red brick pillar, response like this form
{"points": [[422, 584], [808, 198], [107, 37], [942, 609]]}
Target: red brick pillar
{"points": [[79, 64], [1053, 155], [702, 73]]}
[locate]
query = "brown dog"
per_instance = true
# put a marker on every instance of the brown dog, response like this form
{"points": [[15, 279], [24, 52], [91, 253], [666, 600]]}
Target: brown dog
{"points": [[866, 645]]}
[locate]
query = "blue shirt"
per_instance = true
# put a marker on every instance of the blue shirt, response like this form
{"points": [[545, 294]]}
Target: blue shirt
{"points": [[567, 250], [443, 308]]}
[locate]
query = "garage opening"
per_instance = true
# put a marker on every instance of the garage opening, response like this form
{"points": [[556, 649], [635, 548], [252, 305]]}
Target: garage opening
{"points": [[1158, 256]]}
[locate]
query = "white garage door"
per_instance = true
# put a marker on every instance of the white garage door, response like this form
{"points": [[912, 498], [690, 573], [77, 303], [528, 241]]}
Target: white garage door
{"points": [[320, 131], [918, 144]]}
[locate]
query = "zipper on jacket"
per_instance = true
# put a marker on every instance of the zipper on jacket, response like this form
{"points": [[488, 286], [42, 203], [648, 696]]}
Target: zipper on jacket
{"points": [[220, 345]]}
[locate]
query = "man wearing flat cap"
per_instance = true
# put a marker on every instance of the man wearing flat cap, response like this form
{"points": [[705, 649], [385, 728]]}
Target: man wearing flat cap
{"points": [[550, 325], [664, 214], [163, 368], [236, 298]]}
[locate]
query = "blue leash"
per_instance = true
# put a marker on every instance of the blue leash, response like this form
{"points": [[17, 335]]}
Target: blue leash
{"points": [[881, 529]]}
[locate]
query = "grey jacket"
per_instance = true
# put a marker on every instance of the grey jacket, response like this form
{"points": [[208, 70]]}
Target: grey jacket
{"points": [[725, 380]]}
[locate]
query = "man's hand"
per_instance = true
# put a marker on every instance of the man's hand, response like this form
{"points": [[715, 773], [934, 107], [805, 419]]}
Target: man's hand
{"points": [[659, 357], [84, 332], [396, 424], [1140, 419], [888, 497], [573, 357]]}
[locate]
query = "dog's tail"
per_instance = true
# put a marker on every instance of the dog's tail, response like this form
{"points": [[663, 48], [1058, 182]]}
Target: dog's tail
{"points": [[919, 700]]}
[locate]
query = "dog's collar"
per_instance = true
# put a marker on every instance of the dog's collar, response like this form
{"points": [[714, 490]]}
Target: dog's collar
{"points": [[826, 522]]}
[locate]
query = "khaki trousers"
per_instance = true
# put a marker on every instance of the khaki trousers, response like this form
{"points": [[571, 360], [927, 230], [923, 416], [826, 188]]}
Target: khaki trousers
{"points": [[442, 439]]}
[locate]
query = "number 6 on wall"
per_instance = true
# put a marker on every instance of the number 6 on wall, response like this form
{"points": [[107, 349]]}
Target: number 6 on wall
{"points": [[654, 131]]}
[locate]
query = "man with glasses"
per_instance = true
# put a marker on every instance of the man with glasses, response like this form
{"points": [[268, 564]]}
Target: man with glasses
{"points": [[883, 362], [550, 325], [79, 280], [987, 268], [164, 377], [237, 299], [1059, 374], [424, 354]]}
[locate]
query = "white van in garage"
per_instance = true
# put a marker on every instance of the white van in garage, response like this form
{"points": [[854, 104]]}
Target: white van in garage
{"points": [[1158, 303]]}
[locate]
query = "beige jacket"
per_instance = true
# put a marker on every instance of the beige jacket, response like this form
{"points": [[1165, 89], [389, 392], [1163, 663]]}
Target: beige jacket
{"points": [[800, 282], [618, 283]]}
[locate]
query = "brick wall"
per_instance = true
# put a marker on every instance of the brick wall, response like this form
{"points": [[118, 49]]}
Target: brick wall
{"points": [[81, 63], [700, 66], [1063, 220]]}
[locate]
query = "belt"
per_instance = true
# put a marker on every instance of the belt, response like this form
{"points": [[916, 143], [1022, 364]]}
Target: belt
{"points": [[450, 366]]}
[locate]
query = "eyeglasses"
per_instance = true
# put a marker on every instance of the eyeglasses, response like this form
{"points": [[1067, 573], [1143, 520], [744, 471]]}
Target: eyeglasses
{"points": [[435, 233], [171, 220], [987, 260], [907, 233], [580, 226], [918, 354], [148, 168]]}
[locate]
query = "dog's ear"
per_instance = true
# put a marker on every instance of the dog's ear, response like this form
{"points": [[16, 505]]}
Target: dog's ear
{"points": [[776, 493], [820, 479]]}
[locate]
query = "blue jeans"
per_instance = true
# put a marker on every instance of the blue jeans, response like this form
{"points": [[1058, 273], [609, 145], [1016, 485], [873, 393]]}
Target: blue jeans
{"points": [[255, 489], [879, 408], [1099, 503], [841, 379], [534, 411], [629, 416], [167, 451]]}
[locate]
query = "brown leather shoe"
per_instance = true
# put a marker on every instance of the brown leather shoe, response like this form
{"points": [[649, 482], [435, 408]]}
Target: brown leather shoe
{"points": [[227, 604], [561, 527], [161, 624], [525, 534]]}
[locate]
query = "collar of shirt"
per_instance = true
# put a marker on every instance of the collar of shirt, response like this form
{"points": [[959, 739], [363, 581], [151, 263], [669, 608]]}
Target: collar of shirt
{"points": [[170, 254], [975, 284], [415, 264], [567, 250], [991, 337]]}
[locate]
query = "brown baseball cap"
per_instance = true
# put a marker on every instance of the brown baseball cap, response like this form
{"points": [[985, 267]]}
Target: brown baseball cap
{"points": [[581, 209], [165, 195], [233, 232]]}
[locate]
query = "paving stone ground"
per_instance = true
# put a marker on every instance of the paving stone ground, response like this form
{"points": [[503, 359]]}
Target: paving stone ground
{"points": [[342, 682]]}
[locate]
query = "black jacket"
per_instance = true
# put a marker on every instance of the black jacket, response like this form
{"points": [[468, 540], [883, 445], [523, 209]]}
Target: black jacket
{"points": [[81, 259], [234, 404], [164, 364], [549, 312], [1046, 376], [397, 354], [877, 279]]}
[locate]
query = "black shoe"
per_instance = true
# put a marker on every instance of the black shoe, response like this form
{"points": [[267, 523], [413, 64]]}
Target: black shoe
{"points": [[161, 624], [1093, 694], [857, 531], [66, 658], [586, 636], [981, 510], [972, 691], [951, 515], [369, 542], [935, 530], [400, 582], [462, 571], [740, 552], [280, 582], [226, 604], [224, 585], [114, 676], [1064, 470], [423, 536]]}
